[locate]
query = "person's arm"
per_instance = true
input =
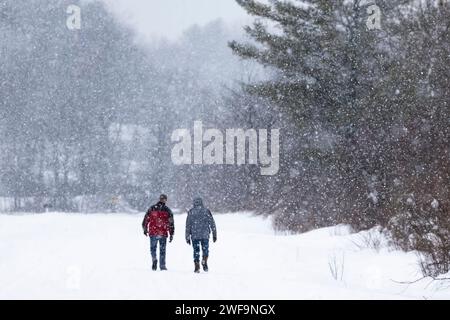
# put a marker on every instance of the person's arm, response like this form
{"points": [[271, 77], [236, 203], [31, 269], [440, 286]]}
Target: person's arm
{"points": [[171, 223], [212, 225], [145, 222], [188, 228]]}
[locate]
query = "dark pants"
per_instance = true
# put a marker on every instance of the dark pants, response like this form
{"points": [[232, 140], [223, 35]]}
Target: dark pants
{"points": [[204, 243], [162, 249]]}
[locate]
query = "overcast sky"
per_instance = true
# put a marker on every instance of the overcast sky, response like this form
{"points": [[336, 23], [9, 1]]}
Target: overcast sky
{"points": [[168, 18]]}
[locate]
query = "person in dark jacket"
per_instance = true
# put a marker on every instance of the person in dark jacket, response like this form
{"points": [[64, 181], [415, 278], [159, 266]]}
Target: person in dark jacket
{"points": [[158, 223], [199, 225]]}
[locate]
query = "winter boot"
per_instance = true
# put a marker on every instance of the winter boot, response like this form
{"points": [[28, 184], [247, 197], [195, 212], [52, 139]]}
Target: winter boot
{"points": [[205, 264], [163, 268], [154, 265], [197, 267]]}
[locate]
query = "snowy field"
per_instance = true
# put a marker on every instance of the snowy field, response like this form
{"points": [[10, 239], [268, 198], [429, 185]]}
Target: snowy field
{"points": [[61, 256]]}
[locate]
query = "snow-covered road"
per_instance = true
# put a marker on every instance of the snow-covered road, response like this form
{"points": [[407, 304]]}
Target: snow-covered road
{"points": [[61, 256]]}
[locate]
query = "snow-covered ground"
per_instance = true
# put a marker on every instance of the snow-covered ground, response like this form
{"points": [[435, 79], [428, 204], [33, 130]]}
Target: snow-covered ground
{"points": [[61, 256]]}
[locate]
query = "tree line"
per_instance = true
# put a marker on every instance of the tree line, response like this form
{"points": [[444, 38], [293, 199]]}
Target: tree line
{"points": [[371, 110]]}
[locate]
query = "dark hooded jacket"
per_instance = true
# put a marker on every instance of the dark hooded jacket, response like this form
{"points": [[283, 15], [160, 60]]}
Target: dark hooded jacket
{"points": [[200, 222]]}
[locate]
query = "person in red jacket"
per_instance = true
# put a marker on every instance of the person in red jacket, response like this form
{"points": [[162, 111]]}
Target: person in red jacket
{"points": [[158, 224]]}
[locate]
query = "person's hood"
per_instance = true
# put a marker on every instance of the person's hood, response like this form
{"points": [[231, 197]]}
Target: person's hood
{"points": [[198, 202]]}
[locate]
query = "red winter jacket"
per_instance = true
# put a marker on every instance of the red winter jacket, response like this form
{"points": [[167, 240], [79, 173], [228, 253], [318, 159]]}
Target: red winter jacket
{"points": [[158, 221]]}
